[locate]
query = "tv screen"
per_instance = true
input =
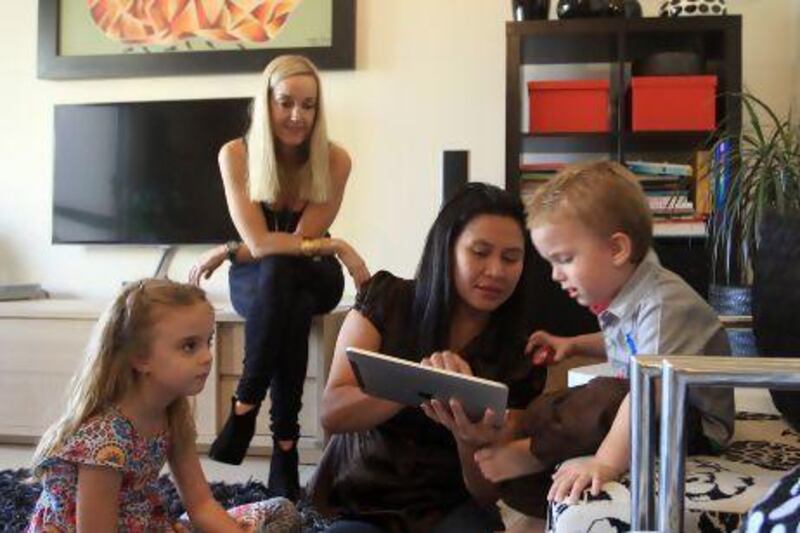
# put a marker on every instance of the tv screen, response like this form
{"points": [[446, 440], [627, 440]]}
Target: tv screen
{"points": [[143, 172]]}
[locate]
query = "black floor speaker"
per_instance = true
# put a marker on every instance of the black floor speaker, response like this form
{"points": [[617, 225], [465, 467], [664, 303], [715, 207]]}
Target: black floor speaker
{"points": [[455, 172]]}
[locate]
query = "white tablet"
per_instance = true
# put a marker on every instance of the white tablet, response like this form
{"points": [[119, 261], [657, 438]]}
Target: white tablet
{"points": [[409, 383]]}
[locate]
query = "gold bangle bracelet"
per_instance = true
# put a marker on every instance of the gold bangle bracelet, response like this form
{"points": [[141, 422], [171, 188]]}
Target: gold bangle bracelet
{"points": [[310, 247]]}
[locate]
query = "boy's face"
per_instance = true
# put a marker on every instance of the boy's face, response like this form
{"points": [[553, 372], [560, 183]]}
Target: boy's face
{"points": [[591, 269]]}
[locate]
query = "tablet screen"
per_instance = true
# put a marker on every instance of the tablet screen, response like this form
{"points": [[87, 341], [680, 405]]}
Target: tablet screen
{"points": [[410, 383]]}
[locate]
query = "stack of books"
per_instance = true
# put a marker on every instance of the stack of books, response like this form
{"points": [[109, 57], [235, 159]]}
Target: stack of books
{"points": [[668, 187], [532, 175]]}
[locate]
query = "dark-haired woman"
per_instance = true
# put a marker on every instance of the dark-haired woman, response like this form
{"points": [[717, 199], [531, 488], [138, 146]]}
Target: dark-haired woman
{"points": [[396, 468]]}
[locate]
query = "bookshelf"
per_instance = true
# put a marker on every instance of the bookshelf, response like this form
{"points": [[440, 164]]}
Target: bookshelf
{"points": [[608, 47]]}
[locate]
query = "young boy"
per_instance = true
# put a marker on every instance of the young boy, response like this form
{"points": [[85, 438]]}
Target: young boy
{"points": [[593, 225]]}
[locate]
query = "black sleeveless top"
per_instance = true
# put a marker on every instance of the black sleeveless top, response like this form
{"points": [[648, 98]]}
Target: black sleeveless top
{"points": [[284, 221]]}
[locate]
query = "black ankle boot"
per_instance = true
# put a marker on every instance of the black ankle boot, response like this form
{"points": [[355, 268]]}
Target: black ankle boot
{"points": [[231, 444], [284, 479]]}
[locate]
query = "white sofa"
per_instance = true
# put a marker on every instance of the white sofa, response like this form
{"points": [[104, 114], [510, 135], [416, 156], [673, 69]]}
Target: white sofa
{"points": [[719, 490]]}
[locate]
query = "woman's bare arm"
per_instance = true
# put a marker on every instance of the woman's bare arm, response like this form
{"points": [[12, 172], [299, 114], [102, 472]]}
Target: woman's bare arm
{"points": [[345, 408]]}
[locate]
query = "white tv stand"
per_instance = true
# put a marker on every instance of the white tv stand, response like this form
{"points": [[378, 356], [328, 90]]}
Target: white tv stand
{"points": [[42, 343]]}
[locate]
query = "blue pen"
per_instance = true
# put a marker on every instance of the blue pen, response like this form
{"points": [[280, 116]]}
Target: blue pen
{"points": [[630, 343]]}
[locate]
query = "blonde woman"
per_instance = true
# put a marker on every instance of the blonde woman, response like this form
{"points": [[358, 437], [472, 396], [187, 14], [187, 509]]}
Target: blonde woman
{"points": [[128, 414], [284, 183]]}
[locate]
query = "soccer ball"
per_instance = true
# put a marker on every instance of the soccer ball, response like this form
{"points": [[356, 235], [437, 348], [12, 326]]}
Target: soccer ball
{"points": [[678, 8]]}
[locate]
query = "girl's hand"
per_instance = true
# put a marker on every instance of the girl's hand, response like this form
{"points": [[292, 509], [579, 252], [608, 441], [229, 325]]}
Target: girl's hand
{"points": [[575, 475], [355, 265], [547, 349], [207, 264]]}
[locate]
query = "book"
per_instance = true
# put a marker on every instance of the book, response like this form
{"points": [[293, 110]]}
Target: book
{"points": [[657, 169], [670, 212], [553, 166], [702, 182], [661, 178], [680, 227], [536, 176], [674, 192]]}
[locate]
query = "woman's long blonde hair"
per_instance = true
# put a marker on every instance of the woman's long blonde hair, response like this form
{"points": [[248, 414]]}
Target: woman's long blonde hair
{"points": [[266, 180], [106, 374]]}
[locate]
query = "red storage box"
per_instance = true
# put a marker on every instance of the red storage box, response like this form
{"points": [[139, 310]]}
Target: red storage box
{"points": [[568, 106], [685, 103]]}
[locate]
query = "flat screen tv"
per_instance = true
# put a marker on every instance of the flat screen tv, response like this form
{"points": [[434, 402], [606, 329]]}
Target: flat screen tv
{"points": [[143, 172]]}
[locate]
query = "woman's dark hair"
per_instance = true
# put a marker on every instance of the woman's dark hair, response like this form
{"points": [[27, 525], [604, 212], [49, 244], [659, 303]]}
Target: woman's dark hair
{"points": [[434, 293]]}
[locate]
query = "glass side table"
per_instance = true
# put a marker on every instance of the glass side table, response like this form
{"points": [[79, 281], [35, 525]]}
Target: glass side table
{"points": [[678, 373]]}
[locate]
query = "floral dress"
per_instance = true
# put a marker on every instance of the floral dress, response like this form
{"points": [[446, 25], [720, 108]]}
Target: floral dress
{"points": [[110, 440]]}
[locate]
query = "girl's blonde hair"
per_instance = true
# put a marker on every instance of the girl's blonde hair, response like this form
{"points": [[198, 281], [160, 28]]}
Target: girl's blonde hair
{"points": [[604, 196], [267, 181], [124, 330]]}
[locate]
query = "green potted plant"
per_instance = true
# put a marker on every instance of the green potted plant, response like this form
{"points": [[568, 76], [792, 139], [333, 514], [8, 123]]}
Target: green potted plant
{"points": [[753, 172]]}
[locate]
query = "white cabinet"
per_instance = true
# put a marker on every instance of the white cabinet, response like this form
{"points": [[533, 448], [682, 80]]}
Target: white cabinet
{"points": [[42, 344]]}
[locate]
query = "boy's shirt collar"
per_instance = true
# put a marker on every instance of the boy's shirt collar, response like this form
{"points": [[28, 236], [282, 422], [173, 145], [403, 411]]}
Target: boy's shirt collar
{"points": [[598, 308], [632, 291]]}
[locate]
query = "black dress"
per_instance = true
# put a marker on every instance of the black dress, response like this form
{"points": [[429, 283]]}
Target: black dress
{"points": [[405, 474]]}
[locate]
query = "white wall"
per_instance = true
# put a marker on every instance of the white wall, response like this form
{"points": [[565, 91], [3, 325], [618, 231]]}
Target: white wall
{"points": [[430, 77], [795, 45], [770, 38]]}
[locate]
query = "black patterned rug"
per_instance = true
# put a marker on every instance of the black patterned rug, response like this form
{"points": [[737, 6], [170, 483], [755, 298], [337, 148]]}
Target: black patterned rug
{"points": [[18, 495]]}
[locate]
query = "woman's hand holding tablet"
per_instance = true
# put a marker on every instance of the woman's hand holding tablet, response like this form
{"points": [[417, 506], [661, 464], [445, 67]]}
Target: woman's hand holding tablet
{"points": [[444, 377]]}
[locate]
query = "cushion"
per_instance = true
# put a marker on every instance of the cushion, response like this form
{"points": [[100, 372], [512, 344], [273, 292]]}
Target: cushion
{"points": [[719, 490]]}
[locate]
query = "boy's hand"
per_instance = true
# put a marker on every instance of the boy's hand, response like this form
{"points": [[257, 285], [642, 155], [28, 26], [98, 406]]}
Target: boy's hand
{"points": [[574, 476], [547, 349]]}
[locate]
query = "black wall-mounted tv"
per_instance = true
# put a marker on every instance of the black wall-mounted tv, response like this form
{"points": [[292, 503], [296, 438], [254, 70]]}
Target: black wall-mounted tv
{"points": [[143, 172]]}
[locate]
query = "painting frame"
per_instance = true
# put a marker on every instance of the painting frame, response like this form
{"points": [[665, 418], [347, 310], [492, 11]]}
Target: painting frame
{"points": [[52, 65]]}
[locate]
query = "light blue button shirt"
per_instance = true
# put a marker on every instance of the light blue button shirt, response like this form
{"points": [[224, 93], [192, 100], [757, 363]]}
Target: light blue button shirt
{"points": [[657, 313]]}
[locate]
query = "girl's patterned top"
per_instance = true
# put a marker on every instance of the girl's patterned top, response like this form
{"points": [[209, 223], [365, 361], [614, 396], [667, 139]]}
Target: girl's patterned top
{"points": [[108, 440]]}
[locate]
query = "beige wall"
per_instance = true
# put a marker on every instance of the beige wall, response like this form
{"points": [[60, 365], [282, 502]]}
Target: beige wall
{"points": [[430, 77], [796, 47]]}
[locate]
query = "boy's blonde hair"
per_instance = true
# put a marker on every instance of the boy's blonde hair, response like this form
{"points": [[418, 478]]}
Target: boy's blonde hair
{"points": [[604, 196], [124, 330], [267, 181]]}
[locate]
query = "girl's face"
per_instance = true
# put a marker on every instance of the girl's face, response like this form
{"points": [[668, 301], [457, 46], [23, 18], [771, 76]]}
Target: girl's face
{"points": [[488, 260], [180, 357], [293, 108]]}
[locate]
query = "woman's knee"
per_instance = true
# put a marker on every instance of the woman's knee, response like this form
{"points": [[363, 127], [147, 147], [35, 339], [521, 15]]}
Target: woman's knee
{"points": [[302, 308], [276, 266]]}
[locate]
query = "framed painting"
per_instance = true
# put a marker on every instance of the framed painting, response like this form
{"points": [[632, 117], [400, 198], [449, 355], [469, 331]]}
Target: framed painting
{"points": [[127, 38]]}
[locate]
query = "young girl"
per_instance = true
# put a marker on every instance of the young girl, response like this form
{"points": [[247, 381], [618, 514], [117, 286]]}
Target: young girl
{"points": [[128, 413]]}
